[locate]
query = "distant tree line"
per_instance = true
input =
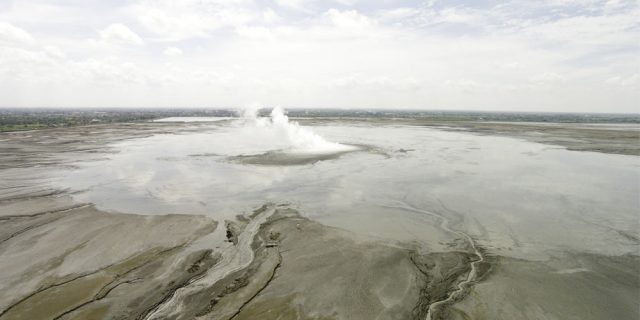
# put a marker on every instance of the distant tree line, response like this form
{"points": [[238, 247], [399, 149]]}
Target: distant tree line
{"points": [[34, 118]]}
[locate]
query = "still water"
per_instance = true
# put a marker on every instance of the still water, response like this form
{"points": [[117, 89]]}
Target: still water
{"points": [[517, 198]]}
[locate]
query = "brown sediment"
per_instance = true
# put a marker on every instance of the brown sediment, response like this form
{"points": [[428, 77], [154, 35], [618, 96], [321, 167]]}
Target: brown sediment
{"points": [[61, 298], [432, 277], [262, 287], [274, 158], [260, 210], [233, 229], [43, 292], [313, 257], [33, 195], [225, 298], [237, 263], [14, 226], [441, 272], [478, 266], [96, 313], [294, 263], [445, 281], [572, 285], [147, 302], [63, 209], [143, 291], [281, 158], [229, 303]]}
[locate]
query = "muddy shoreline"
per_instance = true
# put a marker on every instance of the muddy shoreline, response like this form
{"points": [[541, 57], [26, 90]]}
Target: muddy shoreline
{"points": [[601, 137]]}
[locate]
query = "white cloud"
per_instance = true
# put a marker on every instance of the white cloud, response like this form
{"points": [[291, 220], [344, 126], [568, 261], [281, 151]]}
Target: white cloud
{"points": [[588, 30], [29, 65], [456, 15], [397, 14], [463, 84], [118, 33], [376, 82], [176, 20], [562, 55], [625, 81], [270, 17], [108, 70], [55, 52], [255, 32], [548, 77], [349, 19], [10, 34], [172, 52], [299, 5], [347, 2]]}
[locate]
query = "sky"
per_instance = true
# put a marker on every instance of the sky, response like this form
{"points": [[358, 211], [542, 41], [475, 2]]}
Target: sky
{"points": [[546, 55]]}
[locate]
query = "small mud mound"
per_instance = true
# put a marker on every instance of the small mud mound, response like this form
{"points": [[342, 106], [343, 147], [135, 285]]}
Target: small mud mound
{"points": [[282, 158]]}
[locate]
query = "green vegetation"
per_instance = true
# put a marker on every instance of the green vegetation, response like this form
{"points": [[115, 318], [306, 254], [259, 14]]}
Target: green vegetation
{"points": [[19, 127], [16, 119]]}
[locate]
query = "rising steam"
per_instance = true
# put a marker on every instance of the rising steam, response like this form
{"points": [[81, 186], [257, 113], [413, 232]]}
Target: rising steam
{"points": [[288, 136]]}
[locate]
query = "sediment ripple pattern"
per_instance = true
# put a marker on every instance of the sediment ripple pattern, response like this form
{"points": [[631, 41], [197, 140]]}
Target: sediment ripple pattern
{"points": [[473, 274], [234, 258]]}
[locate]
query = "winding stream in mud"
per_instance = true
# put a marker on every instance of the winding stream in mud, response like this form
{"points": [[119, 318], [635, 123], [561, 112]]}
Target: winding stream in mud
{"points": [[234, 258], [444, 224]]}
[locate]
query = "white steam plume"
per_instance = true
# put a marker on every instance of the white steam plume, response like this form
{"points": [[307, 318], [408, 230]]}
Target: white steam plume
{"points": [[288, 136]]}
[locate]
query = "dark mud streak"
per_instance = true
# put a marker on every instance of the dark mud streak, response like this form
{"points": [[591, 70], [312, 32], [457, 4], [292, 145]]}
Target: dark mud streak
{"points": [[624, 234], [250, 247], [14, 187], [260, 210], [98, 297], [423, 304], [83, 276], [172, 291], [627, 235], [437, 288], [463, 286], [102, 293], [273, 274], [33, 195], [31, 227], [53, 286], [282, 158], [70, 208], [101, 296], [166, 298]]}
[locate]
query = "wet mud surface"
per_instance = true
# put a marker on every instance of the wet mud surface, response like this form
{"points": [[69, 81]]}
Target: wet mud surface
{"points": [[63, 258]]}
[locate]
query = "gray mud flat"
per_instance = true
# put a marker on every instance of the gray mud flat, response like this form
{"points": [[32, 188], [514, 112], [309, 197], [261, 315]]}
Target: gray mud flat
{"points": [[606, 139], [430, 231], [306, 270], [596, 287], [81, 263], [279, 158], [61, 259]]}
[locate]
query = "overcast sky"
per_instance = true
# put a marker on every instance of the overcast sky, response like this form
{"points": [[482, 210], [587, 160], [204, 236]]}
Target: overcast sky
{"points": [[547, 55]]}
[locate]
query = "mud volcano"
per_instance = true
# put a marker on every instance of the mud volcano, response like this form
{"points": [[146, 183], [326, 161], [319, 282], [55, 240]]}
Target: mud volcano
{"points": [[298, 145]]}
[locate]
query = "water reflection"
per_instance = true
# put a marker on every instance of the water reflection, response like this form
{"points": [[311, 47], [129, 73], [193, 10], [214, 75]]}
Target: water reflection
{"points": [[516, 197]]}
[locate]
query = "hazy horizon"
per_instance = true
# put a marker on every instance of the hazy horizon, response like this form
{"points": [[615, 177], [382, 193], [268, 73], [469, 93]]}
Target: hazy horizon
{"points": [[543, 56], [267, 108]]}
